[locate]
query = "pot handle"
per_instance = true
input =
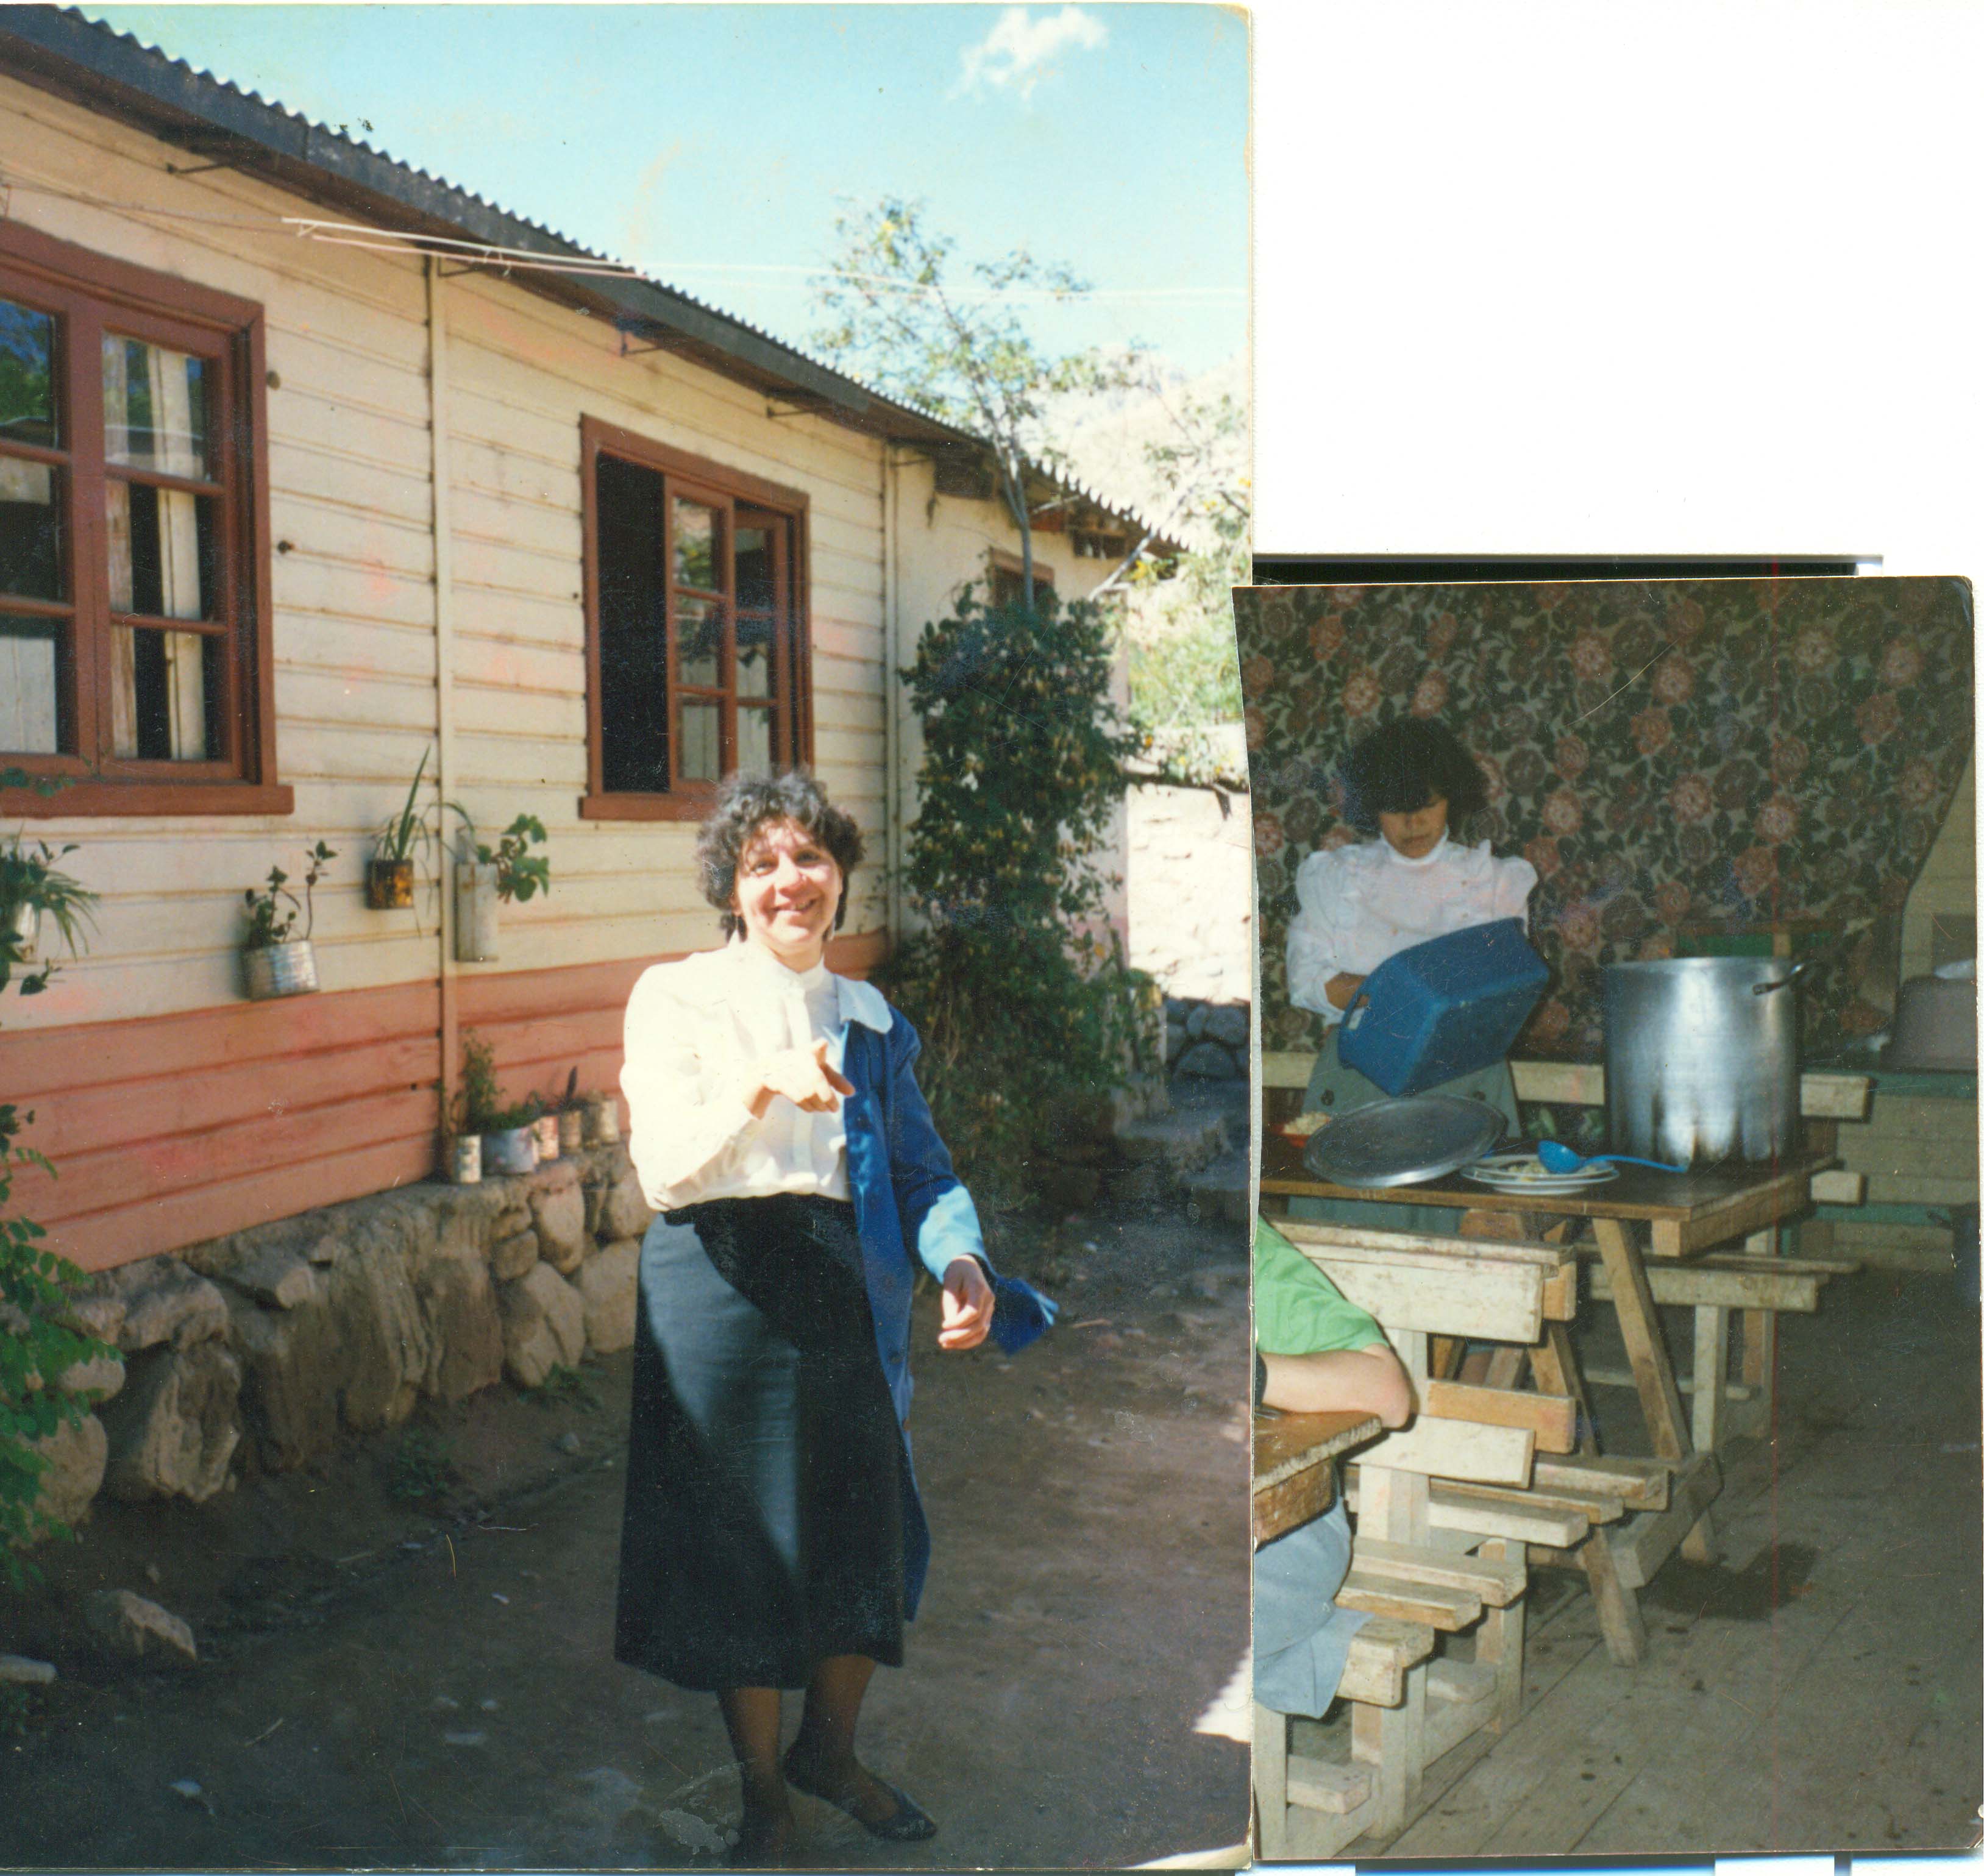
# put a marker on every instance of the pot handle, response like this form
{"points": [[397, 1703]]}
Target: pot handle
{"points": [[1789, 978]]}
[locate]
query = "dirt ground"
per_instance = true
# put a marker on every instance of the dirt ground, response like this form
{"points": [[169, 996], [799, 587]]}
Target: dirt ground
{"points": [[392, 1680]]}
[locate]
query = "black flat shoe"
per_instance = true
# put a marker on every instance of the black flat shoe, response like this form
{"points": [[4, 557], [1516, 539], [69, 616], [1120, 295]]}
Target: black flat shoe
{"points": [[909, 1823]]}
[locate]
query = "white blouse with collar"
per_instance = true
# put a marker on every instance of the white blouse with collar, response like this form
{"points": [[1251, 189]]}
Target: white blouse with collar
{"points": [[695, 1029], [1360, 905]]}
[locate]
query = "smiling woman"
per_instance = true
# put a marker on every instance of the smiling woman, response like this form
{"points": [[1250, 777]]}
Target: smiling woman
{"points": [[773, 1535]]}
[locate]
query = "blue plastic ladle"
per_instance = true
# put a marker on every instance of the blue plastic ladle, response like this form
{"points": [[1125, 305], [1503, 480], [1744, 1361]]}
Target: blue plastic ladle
{"points": [[1559, 1159]]}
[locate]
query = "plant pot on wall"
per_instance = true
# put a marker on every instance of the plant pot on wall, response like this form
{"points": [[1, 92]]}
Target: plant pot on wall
{"points": [[26, 921], [514, 1150], [286, 970], [389, 884], [474, 912]]}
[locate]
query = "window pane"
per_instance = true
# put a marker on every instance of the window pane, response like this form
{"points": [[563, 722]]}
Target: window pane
{"points": [[27, 376], [165, 688], [154, 407], [695, 545], [31, 557], [701, 741], [633, 630], [754, 567], [633, 713], [30, 709], [698, 641], [754, 739], [162, 551], [754, 655]]}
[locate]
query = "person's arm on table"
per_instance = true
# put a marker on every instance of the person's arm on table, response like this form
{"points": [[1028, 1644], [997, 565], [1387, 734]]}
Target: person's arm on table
{"points": [[1367, 1380]]}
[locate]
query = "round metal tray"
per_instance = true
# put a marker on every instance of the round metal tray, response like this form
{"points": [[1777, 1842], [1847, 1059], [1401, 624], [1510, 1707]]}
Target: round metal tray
{"points": [[1396, 1142]]}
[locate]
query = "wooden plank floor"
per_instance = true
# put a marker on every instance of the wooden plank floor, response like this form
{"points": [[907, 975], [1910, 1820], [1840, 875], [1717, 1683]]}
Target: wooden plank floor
{"points": [[1818, 1690]]}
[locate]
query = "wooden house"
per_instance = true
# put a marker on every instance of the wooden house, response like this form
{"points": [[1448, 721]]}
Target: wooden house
{"points": [[311, 464]]}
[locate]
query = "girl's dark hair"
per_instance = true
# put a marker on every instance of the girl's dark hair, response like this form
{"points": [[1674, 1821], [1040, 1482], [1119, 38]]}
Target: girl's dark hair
{"points": [[747, 803], [1403, 765]]}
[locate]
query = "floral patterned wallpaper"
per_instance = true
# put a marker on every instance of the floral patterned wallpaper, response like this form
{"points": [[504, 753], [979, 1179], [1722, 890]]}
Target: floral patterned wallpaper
{"points": [[1728, 754]]}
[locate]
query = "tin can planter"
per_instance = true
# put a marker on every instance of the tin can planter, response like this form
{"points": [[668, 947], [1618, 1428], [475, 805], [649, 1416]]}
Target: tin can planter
{"points": [[26, 923], [602, 1121], [513, 1151], [464, 1160], [545, 1129], [474, 912], [389, 884], [286, 970], [570, 1129]]}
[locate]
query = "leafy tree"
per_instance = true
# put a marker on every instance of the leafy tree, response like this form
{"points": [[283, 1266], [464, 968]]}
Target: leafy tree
{"points": [[1016, 981], [904, 314]]}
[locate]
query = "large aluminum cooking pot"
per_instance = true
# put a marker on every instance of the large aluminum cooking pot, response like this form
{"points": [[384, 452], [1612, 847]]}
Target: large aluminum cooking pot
{"points": [[1701, 1058]]}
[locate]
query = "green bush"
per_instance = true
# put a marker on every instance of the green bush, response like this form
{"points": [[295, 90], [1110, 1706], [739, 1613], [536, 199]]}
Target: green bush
{"points": [[1017, 983], [35, 1345]]}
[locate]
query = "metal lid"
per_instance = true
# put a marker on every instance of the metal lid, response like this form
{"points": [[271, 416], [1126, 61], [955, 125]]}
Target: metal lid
{"points": [[1396, 1142]]}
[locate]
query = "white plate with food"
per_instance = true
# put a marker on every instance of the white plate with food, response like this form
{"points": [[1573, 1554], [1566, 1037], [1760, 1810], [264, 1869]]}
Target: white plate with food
{"points": [[1523, 1172]]}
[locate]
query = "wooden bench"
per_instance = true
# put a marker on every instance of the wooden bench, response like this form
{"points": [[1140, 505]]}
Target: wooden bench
{"points": [[1758, 1285], [1408, 1703]]}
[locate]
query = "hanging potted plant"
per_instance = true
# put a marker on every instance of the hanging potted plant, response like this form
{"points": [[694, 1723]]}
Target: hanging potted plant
{"points": [[509, 870], [389, 873], [35, 893], [274, 961]]}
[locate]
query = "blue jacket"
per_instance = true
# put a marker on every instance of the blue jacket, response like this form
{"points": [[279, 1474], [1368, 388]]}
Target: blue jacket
{"points": [[906, 1195]]}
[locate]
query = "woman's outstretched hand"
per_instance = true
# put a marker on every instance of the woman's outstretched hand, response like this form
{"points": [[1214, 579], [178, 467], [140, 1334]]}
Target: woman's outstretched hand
{"points": [[968, 1303], [804, 1076]]}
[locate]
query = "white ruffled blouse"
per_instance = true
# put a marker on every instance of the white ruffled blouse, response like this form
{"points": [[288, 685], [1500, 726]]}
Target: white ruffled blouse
{"points": [[1360, 905], [694, 1030]]}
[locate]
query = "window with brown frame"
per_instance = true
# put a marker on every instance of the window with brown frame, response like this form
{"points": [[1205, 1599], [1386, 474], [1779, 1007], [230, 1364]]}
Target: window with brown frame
{"points": [[134, 636], [697, 662], [1006, 578]]}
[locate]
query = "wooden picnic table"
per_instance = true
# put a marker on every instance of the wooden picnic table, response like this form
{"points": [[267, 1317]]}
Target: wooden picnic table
{"points": [[1294, 1478], [1681, 1216]]}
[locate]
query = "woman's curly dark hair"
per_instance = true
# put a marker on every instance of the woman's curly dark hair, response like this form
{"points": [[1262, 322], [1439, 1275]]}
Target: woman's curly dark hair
{"points": [[1406, 764], [745, 803]]}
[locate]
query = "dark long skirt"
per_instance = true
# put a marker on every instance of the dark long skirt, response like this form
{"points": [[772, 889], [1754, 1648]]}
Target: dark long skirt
{"points": [[765, 1466]]}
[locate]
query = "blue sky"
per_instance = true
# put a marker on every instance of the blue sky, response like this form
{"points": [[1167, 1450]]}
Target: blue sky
{"points": [[712, 145]]}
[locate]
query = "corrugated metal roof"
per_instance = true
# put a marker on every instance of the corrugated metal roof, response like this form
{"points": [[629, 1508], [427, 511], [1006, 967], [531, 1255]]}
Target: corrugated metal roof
{"points": [[102, 69]]}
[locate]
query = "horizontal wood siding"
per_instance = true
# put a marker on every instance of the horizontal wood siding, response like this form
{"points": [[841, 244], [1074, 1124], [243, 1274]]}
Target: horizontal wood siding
{"points": [[168, 1130], [352, 572], [177, 1110]]}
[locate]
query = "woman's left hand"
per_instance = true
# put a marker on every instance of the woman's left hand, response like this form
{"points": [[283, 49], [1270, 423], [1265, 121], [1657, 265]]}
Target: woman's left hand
{"points": [[968, 1303]]}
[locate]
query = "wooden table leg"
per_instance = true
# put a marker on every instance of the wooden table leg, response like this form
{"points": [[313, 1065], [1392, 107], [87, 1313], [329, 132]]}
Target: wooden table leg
{"points": [[1660, 1400], [1760, 1342], [1555, 1367], [1619, 1619], [1712, 1373]]}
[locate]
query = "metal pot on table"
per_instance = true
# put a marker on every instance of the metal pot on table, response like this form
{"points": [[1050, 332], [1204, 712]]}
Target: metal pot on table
{"points": [[1701, 1058]]}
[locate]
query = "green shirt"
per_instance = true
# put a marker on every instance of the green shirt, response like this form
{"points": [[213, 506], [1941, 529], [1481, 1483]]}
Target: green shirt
{"points": [[1297, 1309]]}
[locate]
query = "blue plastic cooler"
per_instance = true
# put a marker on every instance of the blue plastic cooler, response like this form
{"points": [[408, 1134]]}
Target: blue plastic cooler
{"points": [[1444, 1008]]}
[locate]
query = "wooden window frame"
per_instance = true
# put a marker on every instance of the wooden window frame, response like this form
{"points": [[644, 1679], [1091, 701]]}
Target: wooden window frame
{"points": [[999, 560], [86, 291], [700, 478]]}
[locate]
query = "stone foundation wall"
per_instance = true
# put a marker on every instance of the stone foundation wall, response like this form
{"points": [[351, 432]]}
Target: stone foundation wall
{"points": [[262, 1348]]}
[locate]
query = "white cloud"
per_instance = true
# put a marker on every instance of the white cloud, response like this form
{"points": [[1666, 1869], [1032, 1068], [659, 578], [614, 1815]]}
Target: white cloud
{"points": [[1018, 51]]}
